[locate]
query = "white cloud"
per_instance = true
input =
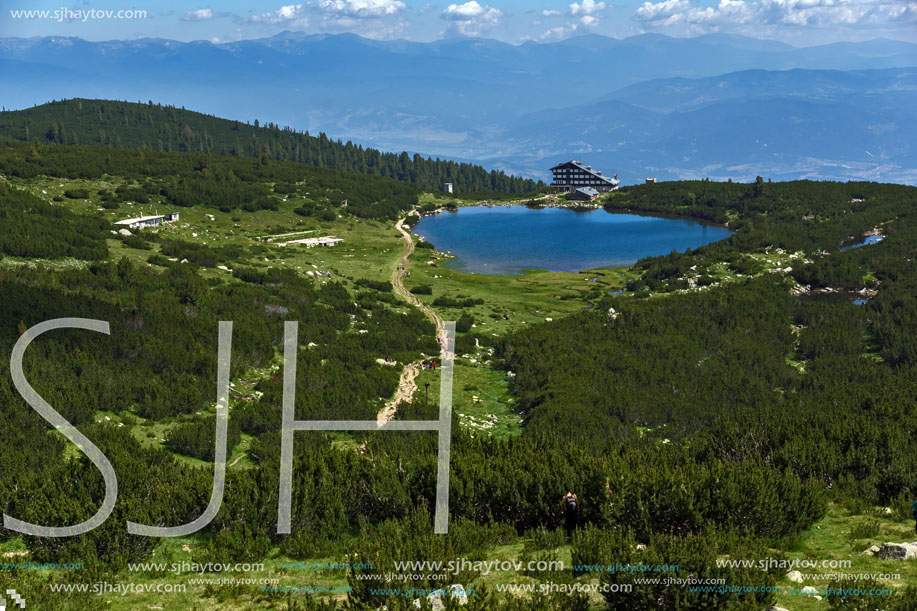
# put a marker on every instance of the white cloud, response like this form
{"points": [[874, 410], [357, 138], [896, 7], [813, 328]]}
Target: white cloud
{"points": [[375, 28], [361, 9], [201, 14], [471, 18], [550, 13], [560, 32], [732, 13], [293, 14], [587, 7]]}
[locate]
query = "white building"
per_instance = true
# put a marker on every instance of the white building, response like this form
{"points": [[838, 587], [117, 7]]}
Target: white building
{"points": [[448, 187], [142, 222]]}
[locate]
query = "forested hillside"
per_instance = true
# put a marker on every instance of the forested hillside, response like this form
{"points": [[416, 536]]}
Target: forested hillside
{"points": [[220, 181], [718, 407], [154, 127]]}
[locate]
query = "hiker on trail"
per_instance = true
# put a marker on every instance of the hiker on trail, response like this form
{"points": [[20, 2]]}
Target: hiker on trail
{"points": [[914, 511], [571, 509]]}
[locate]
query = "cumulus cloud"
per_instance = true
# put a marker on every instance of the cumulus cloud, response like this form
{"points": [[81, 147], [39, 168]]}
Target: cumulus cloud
{"points": [[361, 9], [558, 33], [550, 13], [587, 7], [471, 18], [730, 13], [201, 14], [590, 10], [293, 14]]}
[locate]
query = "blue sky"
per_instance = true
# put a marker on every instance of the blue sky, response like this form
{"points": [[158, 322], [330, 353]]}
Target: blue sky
{"points": [[799, 22]]}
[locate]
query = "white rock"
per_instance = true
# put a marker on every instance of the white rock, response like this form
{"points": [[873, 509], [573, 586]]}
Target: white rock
{"points": [[809, 591], [871, 551], [457, 592], [125, 232], [794, 576], [436, 600]]}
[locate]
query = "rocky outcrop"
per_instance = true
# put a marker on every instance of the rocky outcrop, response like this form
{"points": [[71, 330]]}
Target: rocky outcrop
{"points": [[897, 551]]}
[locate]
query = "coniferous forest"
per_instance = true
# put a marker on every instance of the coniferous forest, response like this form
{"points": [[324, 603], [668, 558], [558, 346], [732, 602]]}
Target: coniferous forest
{"points": [[717, 408], [158, 127]]}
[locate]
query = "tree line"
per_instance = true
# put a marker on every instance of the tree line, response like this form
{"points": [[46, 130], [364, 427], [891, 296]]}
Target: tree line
{"points": [[158, 127]]}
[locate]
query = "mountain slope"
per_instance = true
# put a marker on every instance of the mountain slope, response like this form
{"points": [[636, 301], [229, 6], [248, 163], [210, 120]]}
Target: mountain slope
{"points": [[167, 128]]}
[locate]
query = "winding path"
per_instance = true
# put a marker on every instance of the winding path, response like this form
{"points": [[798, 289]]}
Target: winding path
{"points": [[407, 384]]}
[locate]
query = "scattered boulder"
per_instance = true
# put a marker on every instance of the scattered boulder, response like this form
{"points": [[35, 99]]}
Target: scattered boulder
{"points": [[871, 551], [456, 592], [794, 576], [897, 551], [809, 591], [125, 232], [775, 608]]}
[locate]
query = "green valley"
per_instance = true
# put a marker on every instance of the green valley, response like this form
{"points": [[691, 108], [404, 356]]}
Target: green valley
{"points": [[724, 403]]}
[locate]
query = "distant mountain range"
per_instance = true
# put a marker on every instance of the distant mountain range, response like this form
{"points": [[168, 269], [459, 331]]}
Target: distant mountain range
{"points": [[716, 105], [815, 124]]}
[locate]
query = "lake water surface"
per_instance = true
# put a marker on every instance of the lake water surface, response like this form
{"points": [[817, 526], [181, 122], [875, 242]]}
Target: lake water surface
{"points": [[505, 240]]}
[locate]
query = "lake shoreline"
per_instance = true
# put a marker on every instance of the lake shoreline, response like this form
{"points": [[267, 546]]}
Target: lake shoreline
{"points": [[577, 207], [513, 240]]}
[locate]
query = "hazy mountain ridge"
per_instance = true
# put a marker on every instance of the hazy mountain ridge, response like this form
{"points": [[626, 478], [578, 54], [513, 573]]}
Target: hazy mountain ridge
{"points": [[492, 102], [790, 124]]}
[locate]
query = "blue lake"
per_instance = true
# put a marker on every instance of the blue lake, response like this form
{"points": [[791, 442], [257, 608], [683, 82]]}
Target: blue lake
{"points": [[505, 240]]}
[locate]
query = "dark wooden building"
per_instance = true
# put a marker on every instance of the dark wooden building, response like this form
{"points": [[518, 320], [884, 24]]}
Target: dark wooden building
{"points": [[574, 174], [583, 194]]}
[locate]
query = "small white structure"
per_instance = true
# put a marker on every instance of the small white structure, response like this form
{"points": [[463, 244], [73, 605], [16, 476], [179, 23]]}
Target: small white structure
{"points": [[448, 187], [142, 222], [328, 240]]}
